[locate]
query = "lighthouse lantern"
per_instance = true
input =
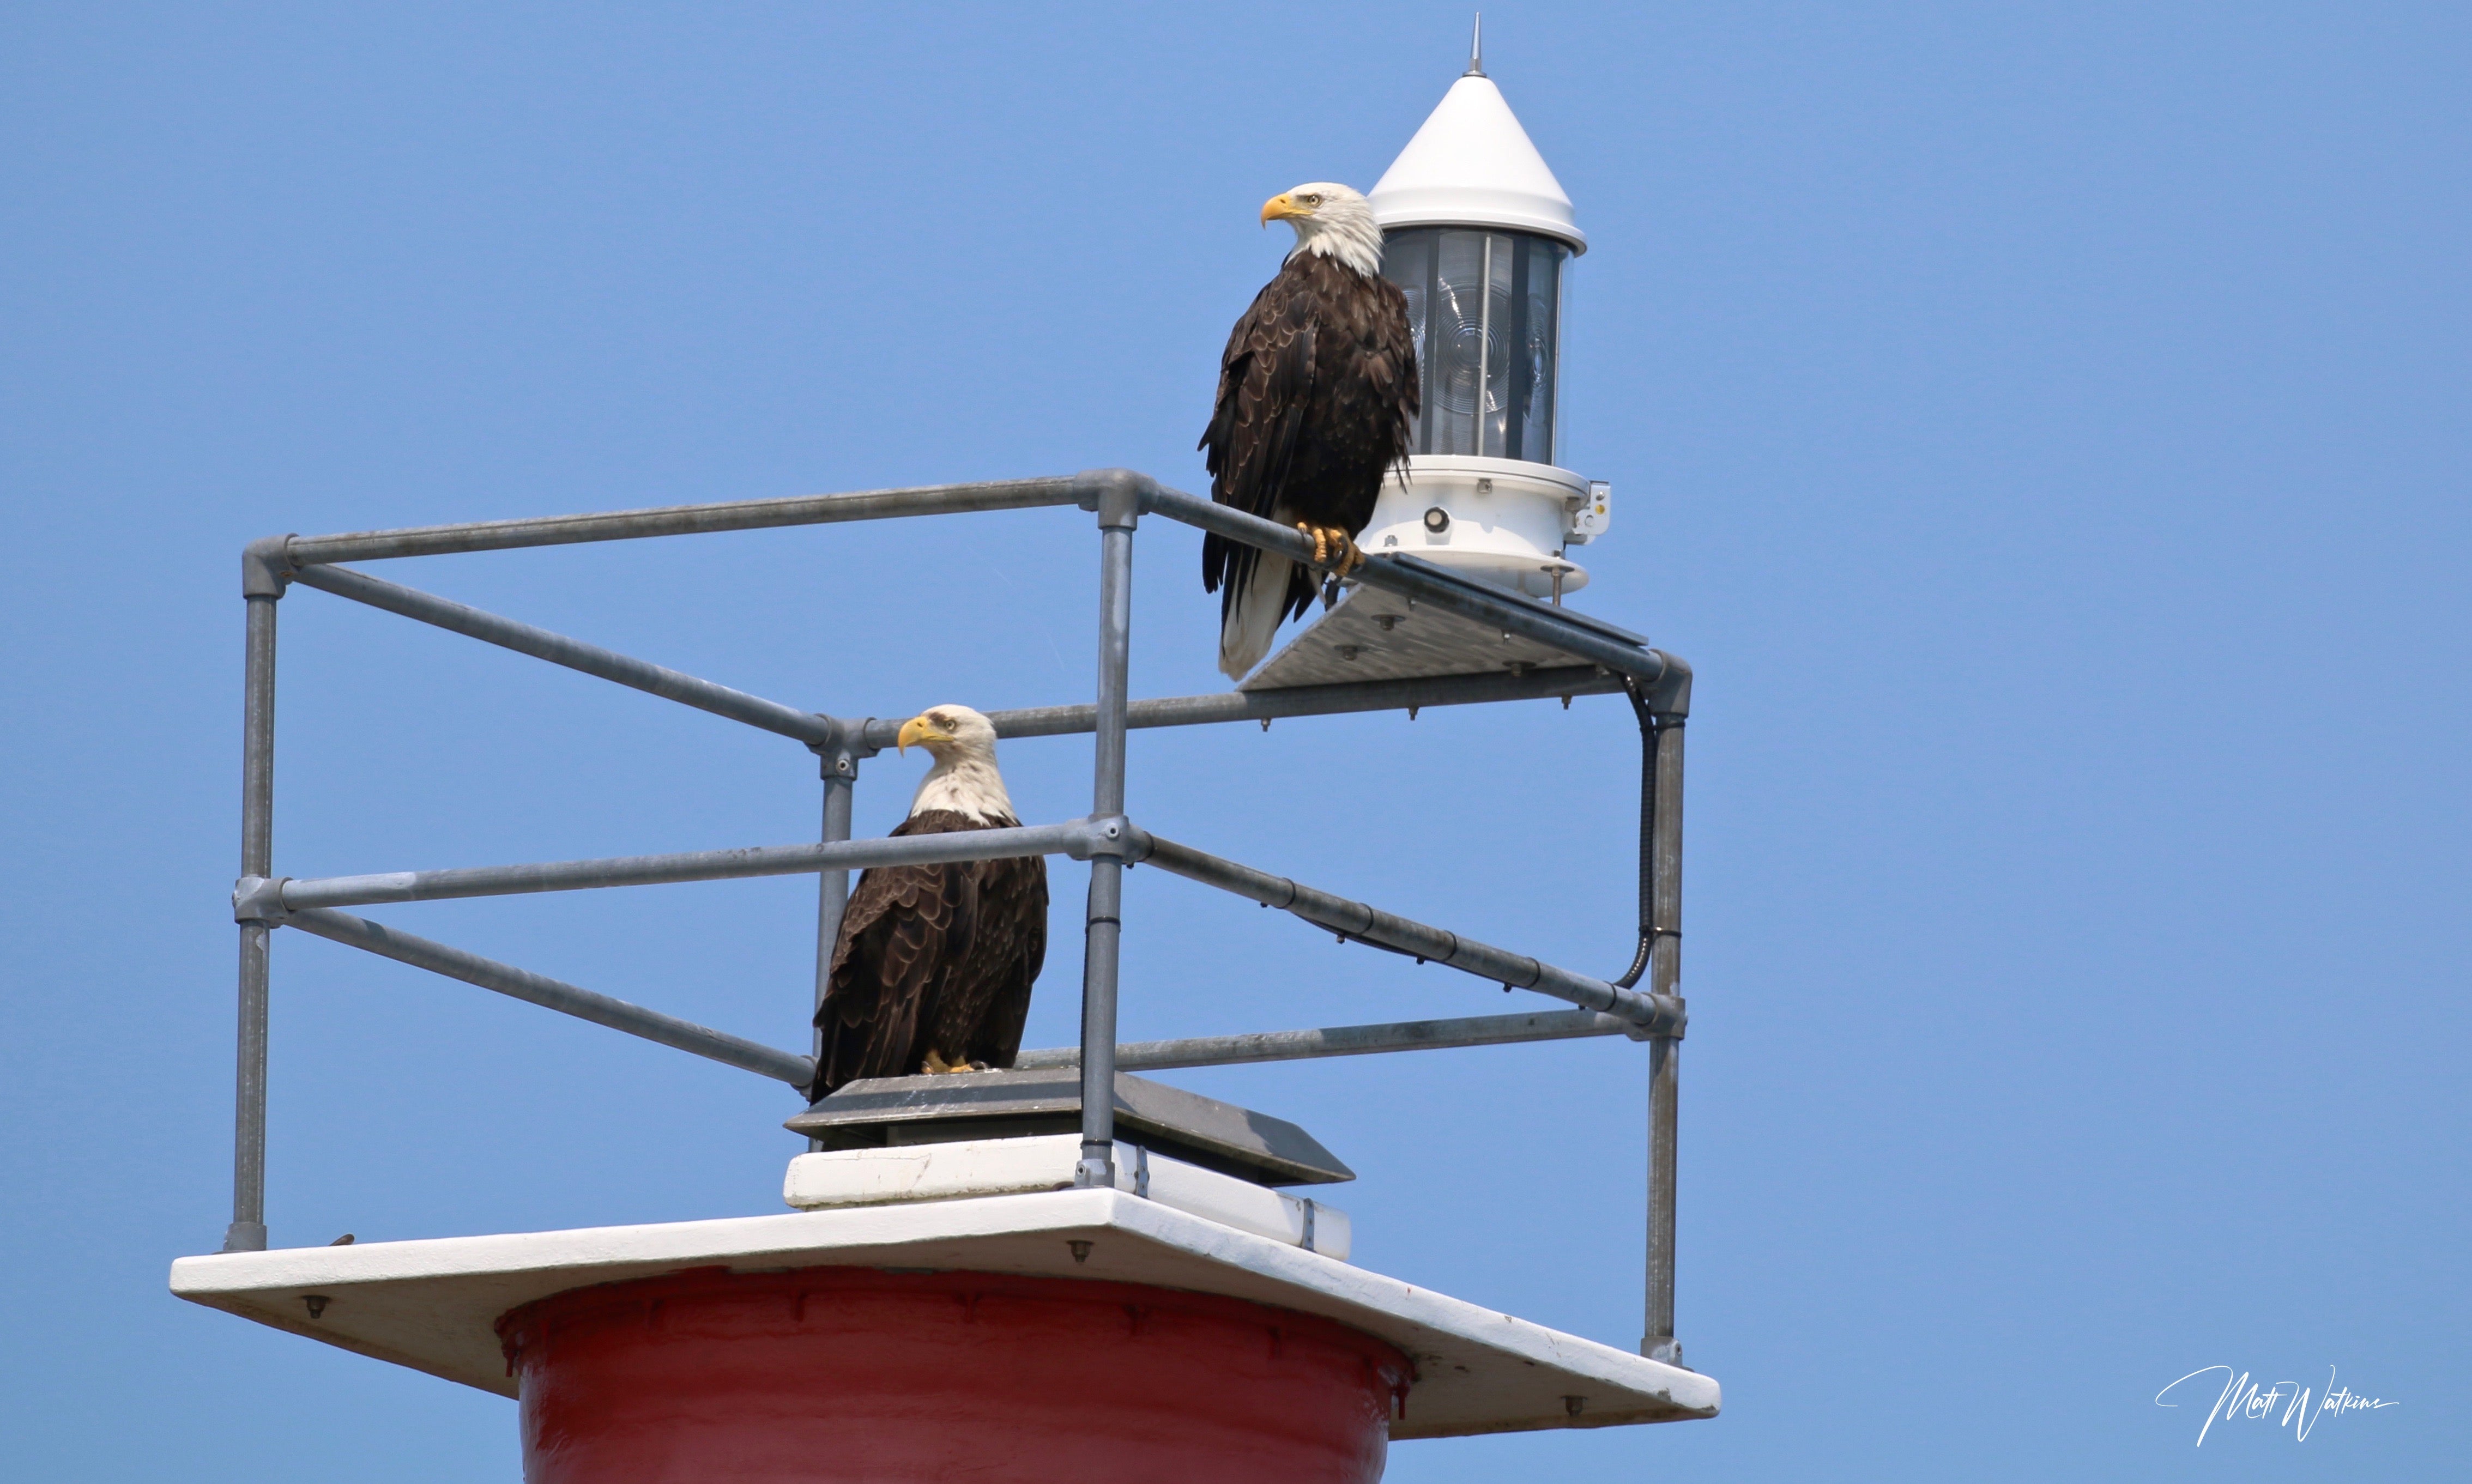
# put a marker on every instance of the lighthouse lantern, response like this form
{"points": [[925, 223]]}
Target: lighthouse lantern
{"points": [[1478, 234]]}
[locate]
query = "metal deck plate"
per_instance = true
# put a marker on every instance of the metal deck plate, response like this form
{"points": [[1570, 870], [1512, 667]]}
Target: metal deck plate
{"points": [[430, 1305], [1209, 1133], [1375, 635]]}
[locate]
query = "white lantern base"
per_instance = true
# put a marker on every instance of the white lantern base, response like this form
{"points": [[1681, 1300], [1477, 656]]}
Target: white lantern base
{"points": [[1498, 520]]}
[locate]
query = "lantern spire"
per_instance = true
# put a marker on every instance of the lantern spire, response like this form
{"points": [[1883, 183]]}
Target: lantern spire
{"points": [[1472, 165], [1476, 48]]}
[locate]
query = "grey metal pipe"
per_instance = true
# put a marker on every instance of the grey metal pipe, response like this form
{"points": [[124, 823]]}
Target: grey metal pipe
{"points": [[695, 865], [1282, 1045], [248, 1230], [1665, 1054], [1425, 583], [573, 653], [556, 995], [1119, 509], [1302, 700], [1655, 1013], [679, 520], [832, 886]]}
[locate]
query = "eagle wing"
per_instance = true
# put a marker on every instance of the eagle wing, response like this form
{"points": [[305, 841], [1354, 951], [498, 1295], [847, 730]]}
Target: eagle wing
{"points": [[979, 1016], [1266, 380], [903, 928], [1318, 398]]}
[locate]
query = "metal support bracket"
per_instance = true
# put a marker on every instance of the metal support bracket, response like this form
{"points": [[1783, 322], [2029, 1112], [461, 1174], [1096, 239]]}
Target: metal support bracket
{"points": [[259, 899]]}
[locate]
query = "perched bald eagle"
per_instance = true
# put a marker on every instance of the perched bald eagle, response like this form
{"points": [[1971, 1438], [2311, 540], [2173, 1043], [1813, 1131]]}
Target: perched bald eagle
{"points": [[933, 968], [1317, 399]]}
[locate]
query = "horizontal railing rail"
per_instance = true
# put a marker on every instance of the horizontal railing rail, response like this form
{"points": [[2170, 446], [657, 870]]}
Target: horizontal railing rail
{"points": [[680, 520], [1286, 1045], [556, 995], [1076, 838], [1657, 1015]]}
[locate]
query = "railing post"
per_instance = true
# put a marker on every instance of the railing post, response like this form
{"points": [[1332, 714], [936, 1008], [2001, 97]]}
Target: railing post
{"points": [[840, 768], [1119, 496], [1664, 1052], [264, 573]]}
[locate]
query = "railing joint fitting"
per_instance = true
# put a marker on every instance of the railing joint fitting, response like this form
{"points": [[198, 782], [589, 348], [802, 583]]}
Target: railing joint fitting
{"points": [[1667, 1017], [266, 567], [1117, 495], [844, 746], [1107, 837], [259, 899]]}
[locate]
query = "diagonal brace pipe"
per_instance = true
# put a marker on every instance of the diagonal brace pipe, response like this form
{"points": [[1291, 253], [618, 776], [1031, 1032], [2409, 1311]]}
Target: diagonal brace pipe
{"points": [[1655, 1014], [556, 995], [816, 731]]}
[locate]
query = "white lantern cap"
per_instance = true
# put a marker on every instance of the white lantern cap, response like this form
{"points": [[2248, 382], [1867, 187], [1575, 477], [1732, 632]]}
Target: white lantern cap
{"points": [[1472, 165]]}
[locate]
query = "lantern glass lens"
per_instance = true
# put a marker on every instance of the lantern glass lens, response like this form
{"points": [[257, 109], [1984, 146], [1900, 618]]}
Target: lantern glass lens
{"points": [[1487, 310]]}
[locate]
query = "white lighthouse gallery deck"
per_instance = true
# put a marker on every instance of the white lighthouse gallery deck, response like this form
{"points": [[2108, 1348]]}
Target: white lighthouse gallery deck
{"points": [[430, 1305]]}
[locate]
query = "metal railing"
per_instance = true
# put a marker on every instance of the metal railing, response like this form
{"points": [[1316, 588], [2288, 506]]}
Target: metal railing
{"points": [[1603, 661]]}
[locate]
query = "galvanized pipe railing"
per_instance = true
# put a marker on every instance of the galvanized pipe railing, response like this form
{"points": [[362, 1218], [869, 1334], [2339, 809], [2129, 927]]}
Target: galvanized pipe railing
{"points": [[1284, 1046], [556, 995], [1655, 1013], [1607, 657]]}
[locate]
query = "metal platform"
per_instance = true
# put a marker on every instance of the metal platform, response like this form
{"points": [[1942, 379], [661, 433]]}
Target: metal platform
{"points": [[433, 1305], [1374, 634], [925, 1110]]}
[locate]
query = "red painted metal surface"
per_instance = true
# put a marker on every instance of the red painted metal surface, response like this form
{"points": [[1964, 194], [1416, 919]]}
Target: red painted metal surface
{"points": [[838, 1374]]}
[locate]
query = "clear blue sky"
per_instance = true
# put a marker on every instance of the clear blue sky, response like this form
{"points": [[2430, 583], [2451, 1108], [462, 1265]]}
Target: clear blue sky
{"points": [[2043, 426]]}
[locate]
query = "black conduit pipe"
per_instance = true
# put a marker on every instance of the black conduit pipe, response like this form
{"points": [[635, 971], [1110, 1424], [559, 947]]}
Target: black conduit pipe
{"points": [[1647, 740]]}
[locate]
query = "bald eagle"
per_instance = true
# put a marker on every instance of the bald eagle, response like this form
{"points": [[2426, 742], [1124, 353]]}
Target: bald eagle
{"points": [[933, 968], [1317, 399]]}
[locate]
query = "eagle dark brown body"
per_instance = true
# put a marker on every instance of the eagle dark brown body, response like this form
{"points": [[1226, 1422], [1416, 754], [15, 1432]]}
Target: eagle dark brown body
{"points": [[933, 958], [1318, 398]]}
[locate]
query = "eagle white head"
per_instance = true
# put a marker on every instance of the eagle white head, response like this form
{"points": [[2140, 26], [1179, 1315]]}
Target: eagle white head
{"points": [[964, 778], [1331, 220]]}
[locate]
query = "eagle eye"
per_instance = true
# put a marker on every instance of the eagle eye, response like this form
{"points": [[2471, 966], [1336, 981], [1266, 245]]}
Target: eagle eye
{"points": [[1309, 199]]}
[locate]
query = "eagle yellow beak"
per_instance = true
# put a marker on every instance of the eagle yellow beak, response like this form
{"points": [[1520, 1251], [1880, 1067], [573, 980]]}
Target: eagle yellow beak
{"points": [[1283, 207], [920, 730]]}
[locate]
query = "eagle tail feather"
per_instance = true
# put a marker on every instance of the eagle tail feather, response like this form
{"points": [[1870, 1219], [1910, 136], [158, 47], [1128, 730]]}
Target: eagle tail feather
{"points": [[1256, 602]]}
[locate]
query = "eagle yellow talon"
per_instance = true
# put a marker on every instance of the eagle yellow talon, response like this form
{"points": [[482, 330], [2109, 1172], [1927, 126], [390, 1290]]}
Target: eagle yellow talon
{"points": [[1322, 542]]}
